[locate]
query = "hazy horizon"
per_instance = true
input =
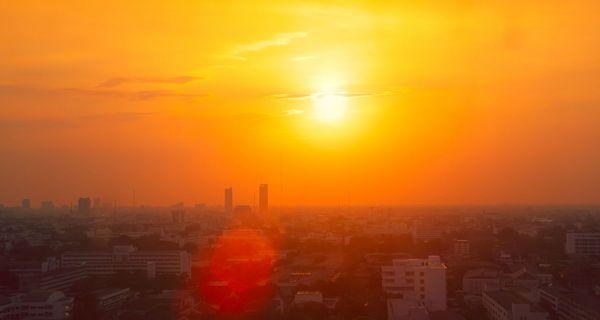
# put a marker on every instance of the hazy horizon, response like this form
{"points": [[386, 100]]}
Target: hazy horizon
{"points": [[328, 103]]}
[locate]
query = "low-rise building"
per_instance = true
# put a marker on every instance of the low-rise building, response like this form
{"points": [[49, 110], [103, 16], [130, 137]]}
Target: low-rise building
{"points": [[570, 305], [506, 305], [478, 280], [583, 244], [112, 298], [60, 279], [417, 280], [128, 258], [37, 305]]}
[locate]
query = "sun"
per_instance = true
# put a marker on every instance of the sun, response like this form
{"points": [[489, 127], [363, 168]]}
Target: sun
{"points": [[330, 107]]}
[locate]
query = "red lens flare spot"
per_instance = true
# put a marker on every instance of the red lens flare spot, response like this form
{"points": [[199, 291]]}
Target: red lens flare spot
{"points": [[239, 271]]}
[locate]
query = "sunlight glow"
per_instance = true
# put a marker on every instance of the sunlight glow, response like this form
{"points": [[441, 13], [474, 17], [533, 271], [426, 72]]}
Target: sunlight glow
{"points": [[330, 107]]}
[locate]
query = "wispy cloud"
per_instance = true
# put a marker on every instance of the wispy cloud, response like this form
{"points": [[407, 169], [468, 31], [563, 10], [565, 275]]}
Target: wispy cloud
{"points": [[72, 122], [292, 112], [142, 95], [114, 82], [305, 96], [280, 39], [261, 116]]}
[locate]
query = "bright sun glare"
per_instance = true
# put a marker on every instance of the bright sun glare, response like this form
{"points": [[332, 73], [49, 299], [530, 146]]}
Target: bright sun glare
{"points": [[330, 107]]}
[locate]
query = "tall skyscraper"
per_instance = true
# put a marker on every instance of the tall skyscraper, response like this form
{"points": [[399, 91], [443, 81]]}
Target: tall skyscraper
{"points": [[84, 205], [229, 200], [26, 203], [263, 197]]}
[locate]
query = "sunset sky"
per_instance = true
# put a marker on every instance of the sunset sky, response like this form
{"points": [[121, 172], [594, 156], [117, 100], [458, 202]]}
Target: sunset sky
{"points": [[369, 103]]}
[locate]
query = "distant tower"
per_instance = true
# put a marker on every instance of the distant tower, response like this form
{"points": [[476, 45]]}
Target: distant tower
{"points": [[229, 200], [263, 197], [26, 203], [84, 206]]}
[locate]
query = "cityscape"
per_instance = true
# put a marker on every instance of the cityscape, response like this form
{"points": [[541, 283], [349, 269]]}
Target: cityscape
{"points": [[301, 160], [239, 261]]}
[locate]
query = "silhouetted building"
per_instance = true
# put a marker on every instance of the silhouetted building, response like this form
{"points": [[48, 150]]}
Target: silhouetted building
{"points": [[263, 200], [26, 203], [84, 205], [229, 200]]}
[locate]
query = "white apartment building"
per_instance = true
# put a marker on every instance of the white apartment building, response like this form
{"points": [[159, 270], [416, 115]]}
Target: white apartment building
{"points": [[37, 305], [584, 244], [128, 258], [506, 305], [417, 280]]}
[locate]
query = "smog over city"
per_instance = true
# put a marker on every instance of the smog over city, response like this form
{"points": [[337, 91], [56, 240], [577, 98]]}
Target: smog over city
{"points": [[302, 160]]}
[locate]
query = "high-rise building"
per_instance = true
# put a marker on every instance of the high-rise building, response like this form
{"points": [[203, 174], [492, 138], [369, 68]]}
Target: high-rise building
{"points": [[84, 205], [263, 200], [229, 200], [418, 281], [26, 203]]}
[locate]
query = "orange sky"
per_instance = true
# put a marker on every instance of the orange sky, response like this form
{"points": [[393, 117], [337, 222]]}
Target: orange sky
{"points": [[444, 102]]}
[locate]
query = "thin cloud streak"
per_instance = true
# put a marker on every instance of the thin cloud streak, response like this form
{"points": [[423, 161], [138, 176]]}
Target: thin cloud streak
{"points": [[280, 39], [114, 82], [143, 95], [71, 122]]}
